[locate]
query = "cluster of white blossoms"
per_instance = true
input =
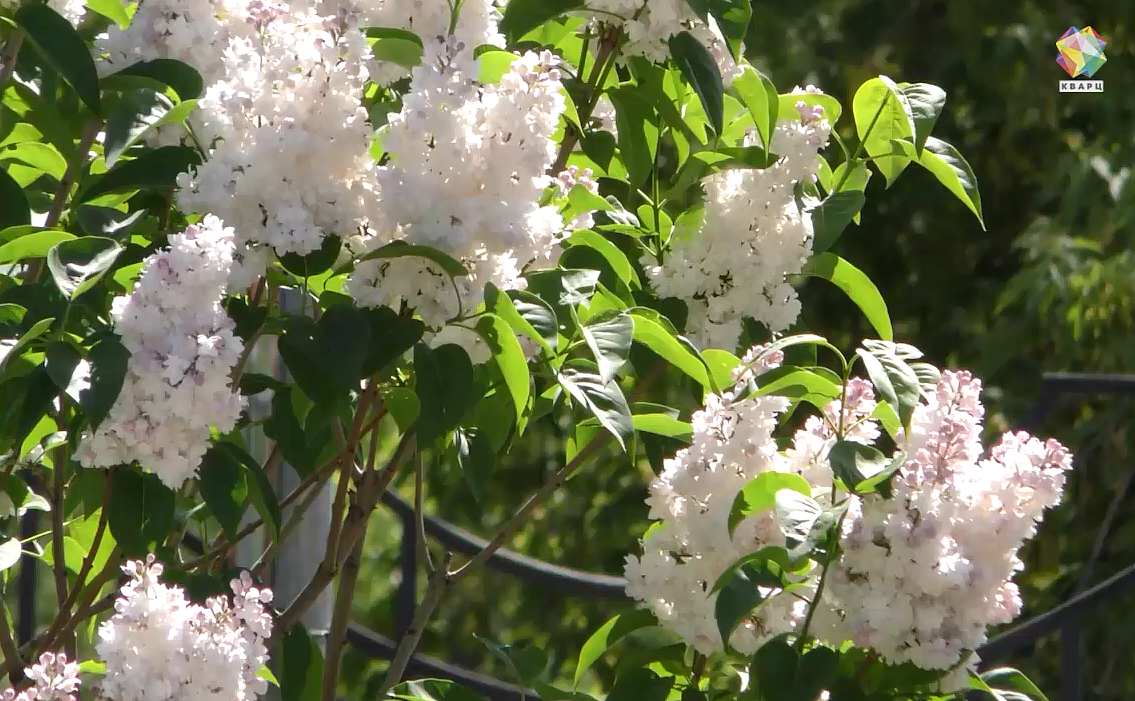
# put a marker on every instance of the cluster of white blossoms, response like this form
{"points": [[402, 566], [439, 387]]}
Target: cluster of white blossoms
{"points": [[930, 569], [753, 237], [159, 646], [467, 171], [921, 576], [182, 352], [732, 444], [53, 678], [648, 27]]}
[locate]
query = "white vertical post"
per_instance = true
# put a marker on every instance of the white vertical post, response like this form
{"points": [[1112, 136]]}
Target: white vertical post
{"points": [[299, 556]]}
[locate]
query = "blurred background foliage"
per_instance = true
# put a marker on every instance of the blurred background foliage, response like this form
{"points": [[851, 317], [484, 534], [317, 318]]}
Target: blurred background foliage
{"points": [[1049, 286]]}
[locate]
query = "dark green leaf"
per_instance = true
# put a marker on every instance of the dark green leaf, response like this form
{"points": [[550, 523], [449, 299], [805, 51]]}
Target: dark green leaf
{"points": [[603, 400], [344, 341], [638, 132], [500, 304], [608, 335], [854, 463], [259, 488], [108, 360], [224, 488], [701, 72], [130, 117], [301, 666], [78, 264], [155, 169], [303, 348], [475, 458], [283, 427], [522, 16], [395, 45], [400, 249], [640, 684], [925, 102], [63, 48], [446, 388], [1013, 679], [183, 78], [14, 209], [141, 512], [538, 314], [434, 690], [948, 166], [736, 599], [62, 361], [391, 336], [316, 262], [833, 215]]}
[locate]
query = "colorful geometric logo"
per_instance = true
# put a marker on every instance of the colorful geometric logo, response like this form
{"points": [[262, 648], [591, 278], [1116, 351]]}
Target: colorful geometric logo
{"points": [[1081, 52]]}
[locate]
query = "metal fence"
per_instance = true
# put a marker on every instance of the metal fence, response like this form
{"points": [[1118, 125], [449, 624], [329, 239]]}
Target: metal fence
{"points": [[1064, 619]]}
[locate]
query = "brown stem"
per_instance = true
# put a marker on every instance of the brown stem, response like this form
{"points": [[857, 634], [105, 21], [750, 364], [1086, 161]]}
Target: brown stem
{"points": [[439, 583], [340, 618], [604, 59], [371, 488]]}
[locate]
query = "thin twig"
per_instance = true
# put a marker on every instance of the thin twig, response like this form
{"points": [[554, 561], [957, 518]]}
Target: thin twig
{"points": [[604, 59], [439, 583], [96, 542], [64, 625], [420, 545], [59, 482], [539, 497], [12, 660]]}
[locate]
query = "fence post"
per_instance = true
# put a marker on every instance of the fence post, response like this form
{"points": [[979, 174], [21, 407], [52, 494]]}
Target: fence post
{"points": [[299, 556]]}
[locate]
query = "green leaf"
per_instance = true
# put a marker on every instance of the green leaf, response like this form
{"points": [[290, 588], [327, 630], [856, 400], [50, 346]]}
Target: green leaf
{"points": [[652, 334], [608, 634], [41, 157], [736, 600], [260, 490], [608, 335], [446, 388], [604, 400], [344, 341], [475, 457], [434, 690], [832, 216], [391, 335], [522, 16], [315, 263], [303, 347], [301, 666], [62, 363], [63, 48], [183, 78], [948, 166], [112, 10], [640, 684], [493, 64], [400, 249], [610, 252], [882, 114], [1009, 678], [854, 463], [14, 208], [108, 360], [721, 364], [500, 304], [638, 132], [10, 551], [283, 427], [759, 495], [130, 117], [34, 245], [77, 265], [758, 94], [16, 350], [732, 19], [141, 512], [224, 488], [701, 72], [510, 359], [155, 169], [395, 45], [832, 108], [663, 425], [856, 286], [926, 102], [403, 405], [92, 667], [802, 384]]}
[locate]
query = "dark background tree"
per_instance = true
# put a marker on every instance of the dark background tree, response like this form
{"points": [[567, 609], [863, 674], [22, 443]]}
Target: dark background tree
{"points": [[1049, 286]]}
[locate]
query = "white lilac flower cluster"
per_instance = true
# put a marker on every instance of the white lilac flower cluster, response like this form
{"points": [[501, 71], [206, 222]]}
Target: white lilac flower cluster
{"points": [[692, 497], [650, 25], [159, 646], [930, 569], [754, 235], [467, 171], [476, 25], [922, 575], [182, 351], [53, 677]]}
